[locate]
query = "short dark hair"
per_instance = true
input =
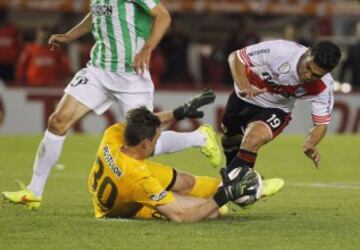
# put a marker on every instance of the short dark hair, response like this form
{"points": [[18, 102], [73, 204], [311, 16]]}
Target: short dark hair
{"points": [[326, 55], [141, 124]]}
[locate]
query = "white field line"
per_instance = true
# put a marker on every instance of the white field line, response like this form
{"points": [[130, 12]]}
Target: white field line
{"points": [[334, 185], [326, 185]]}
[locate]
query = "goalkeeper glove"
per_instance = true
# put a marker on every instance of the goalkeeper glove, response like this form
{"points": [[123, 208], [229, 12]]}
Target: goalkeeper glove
{"points": [[240, 185], [190, 108]]}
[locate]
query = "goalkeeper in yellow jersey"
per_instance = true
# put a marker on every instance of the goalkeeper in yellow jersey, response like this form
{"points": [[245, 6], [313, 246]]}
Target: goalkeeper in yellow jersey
{"points": [[123, 183]]}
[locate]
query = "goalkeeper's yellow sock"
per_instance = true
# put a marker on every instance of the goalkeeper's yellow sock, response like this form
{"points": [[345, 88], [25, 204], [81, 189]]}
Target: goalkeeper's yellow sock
{"points": [[204, 187]]}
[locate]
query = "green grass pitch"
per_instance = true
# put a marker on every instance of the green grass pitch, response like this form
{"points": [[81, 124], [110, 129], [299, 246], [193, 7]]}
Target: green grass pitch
{"points": [[317, 209]]}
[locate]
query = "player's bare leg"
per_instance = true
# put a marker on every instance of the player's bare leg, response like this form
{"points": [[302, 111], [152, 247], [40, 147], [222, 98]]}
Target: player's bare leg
{"points": [[68, 112], [256, 135]]}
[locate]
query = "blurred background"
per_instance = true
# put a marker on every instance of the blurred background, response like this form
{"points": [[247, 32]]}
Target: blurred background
{"points": [[191, 56]]}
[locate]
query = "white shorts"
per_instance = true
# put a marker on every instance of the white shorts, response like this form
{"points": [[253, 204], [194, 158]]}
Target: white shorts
{"points": [[98, 89]]}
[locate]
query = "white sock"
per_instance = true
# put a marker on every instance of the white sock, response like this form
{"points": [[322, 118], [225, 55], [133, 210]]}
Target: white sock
{"points": [[47, 155], [170, 141]]}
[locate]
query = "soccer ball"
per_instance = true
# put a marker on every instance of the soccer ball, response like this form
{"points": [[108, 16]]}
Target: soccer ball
{"points": [[247, 200]]}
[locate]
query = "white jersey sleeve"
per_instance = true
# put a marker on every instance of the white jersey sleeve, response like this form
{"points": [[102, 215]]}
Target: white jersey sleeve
{"points": [[323, 103], [265, 53]]}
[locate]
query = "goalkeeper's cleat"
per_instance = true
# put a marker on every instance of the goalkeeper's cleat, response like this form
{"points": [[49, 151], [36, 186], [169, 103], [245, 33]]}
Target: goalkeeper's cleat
{"points": [[271, 186], [24, 197], [211, 149]]}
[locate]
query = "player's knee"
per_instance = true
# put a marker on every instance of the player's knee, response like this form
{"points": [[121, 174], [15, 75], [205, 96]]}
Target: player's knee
{"points": [[58, 123], [249, 142], [254, 141]]}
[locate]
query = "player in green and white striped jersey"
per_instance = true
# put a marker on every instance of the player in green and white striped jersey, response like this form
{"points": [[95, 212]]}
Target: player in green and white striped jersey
{"points": [[120, 32], [125, 32]]}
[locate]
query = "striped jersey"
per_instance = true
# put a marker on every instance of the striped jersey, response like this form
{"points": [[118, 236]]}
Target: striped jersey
{"points": [[273, 65], [120, 29]]}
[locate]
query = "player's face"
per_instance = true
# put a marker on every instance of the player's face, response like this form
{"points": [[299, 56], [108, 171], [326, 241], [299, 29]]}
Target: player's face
{"points": [[308, 70], [152, 143]]}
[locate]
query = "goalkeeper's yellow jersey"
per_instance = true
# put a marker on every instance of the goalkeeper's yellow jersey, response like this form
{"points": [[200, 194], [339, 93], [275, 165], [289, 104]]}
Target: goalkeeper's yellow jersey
{"points": [[121, 185]]}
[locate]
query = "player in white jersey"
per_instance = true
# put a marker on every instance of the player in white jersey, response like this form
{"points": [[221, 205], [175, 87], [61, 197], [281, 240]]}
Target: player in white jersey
{"points": [[126, 32], [268, 78]]}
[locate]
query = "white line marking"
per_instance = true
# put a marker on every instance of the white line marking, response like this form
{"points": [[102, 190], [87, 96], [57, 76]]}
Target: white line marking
{"points": [[327, 185]]}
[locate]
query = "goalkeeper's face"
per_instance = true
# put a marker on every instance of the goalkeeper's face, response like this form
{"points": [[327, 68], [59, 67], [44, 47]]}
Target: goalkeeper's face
{"points": [[149, 145]]}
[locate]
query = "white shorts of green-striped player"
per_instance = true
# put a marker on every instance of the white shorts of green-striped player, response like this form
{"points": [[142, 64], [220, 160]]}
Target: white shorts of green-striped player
{"points": [[98, 89]]}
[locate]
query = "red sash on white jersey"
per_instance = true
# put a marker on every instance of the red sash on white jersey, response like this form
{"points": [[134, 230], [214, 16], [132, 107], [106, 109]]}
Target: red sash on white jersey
{"points": [[257, 76]]}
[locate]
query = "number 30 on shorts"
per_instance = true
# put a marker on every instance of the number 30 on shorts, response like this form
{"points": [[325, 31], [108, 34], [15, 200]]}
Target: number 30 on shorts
{"points": [[274, 121]]}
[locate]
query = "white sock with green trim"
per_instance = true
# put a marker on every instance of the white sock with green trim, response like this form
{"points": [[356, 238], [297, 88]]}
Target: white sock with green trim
{"points": [[170, 141]]}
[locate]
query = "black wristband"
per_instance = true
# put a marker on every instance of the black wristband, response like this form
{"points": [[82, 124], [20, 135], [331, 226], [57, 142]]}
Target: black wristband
{"points": [[220, 197], [179, 113]]}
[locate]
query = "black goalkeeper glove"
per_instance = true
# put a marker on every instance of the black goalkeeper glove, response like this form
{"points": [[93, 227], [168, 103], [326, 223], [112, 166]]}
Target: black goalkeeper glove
{"points": [[233, 189], [190, 108]]}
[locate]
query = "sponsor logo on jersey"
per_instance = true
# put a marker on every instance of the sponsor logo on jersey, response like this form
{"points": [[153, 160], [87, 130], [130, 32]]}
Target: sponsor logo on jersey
{"points": [[158, 197], [101, 10], [284, 68], [300, 91], [110, 161], [269, 79], [258, 52]]}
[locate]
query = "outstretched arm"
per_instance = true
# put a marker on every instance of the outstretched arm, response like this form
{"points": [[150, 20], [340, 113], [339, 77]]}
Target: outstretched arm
{"points": [[165, 116], [78, 31], [189, 209], [316, 134], [190, 108]]}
